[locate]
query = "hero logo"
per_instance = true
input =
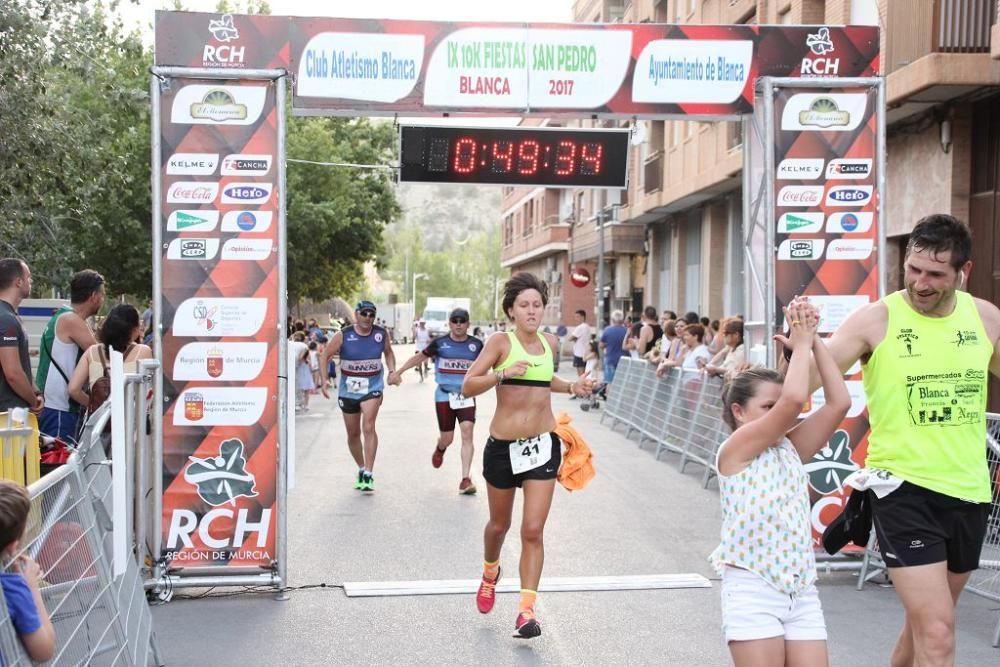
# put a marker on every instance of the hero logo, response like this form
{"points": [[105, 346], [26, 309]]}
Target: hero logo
{"points": [[192, 192], [246, 165], [820, 44], [224, 55], [848, 169], [800, 195], [800, 169], [246, 193], [849, 195]]}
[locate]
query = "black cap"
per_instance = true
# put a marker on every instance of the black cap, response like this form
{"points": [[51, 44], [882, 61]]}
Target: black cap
{"points": [[459, 312], [363, 305]]}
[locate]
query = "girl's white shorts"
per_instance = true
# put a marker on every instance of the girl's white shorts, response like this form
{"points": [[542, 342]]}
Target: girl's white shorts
{"points": [[754, 609]]}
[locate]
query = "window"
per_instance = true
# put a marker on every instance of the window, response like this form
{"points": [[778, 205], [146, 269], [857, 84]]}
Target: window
{"points": [[508, 230], [581, 214], [692, 262], [529, 219]]}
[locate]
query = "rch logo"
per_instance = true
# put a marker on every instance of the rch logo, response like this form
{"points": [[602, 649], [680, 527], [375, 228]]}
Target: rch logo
{"points": [[223, 30], [820, 44], [224, 478]]}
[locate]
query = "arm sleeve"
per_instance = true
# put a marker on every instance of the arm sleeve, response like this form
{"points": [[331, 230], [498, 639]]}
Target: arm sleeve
{"points": [[432, 348], [21, 605]]}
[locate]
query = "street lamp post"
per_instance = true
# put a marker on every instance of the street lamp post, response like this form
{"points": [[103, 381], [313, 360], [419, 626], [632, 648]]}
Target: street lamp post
{"points": [[605, 214], [416, 277]]}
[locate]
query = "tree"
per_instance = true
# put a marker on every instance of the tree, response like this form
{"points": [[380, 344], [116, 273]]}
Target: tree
{"points": [[336, 215]]}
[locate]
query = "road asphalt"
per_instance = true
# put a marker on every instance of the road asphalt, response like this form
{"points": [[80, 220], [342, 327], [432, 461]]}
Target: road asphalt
{"points": [[638, 517]]}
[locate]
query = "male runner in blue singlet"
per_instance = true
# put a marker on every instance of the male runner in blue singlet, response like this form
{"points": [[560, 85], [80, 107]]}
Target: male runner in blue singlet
{"points": [[453, 355], [361, 347]]}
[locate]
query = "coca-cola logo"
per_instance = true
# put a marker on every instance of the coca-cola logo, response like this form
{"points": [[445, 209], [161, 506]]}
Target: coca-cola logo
{"points": [[800, 195], [192, 192]]}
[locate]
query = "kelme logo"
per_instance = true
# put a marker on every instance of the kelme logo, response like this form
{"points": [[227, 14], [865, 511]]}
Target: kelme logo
{"points": [[224, 478]]}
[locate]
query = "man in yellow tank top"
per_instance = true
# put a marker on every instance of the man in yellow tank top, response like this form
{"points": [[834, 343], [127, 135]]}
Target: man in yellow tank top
{"points": [[926, 352]]}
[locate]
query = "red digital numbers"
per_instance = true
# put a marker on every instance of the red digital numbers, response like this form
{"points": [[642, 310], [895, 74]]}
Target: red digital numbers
{"points": [[591, 157], [565, 158], [527, 157], [465, 155], [503, 157]]}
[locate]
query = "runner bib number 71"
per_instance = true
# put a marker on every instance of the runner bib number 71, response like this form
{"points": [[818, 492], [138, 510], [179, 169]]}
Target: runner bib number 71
{"points": [[530, 453]]}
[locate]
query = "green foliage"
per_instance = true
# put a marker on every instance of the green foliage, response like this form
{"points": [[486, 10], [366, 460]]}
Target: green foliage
{"points": [[336, 215]]}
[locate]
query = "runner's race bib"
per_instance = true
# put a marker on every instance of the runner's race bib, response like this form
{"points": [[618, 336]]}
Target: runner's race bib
{"points": [[530, 453], [457, 401], [357, 385]]}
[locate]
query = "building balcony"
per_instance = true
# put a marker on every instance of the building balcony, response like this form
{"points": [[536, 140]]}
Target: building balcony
{"points": [[619, 239], [543, 241], [934, 51]]}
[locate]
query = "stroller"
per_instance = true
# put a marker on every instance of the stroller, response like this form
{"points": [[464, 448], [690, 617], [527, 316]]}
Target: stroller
{"points": [[599, 393]]}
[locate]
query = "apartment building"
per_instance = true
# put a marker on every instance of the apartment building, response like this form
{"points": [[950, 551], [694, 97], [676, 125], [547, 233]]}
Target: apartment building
{"points": [[674, 238]]}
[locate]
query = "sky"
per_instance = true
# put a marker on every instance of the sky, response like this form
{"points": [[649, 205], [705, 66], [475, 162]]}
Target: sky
{"points": [[141, 14]]}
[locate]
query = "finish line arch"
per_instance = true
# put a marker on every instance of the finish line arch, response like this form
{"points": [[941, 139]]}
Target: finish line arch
{"points": [[813, 182]]}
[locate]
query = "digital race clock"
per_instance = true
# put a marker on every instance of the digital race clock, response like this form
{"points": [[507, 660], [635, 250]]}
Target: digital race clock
{"points": [[550, 157]]}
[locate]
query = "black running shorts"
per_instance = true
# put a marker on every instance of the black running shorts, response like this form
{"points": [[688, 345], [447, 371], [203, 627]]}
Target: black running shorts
{"points": [[447, 415], [352, 406], [578, 362], [497, 470], [917, 526]]}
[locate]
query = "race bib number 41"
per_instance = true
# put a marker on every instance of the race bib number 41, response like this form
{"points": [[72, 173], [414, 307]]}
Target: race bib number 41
{"points": [[530, 453]]}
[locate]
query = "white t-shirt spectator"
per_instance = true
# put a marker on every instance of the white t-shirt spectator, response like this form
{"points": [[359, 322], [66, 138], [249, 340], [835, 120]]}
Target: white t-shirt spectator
{"points": [[692, 357], [582, 342]]}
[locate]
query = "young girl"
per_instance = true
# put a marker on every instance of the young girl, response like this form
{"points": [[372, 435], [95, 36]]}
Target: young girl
{"points": [[314, 364], [771, 613], [593, 355]]}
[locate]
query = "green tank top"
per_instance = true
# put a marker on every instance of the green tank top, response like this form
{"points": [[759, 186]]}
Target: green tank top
{"points": [[926, 390], [541, 368]]}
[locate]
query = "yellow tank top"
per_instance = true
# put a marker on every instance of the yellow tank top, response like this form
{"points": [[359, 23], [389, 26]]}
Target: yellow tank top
{"points": [[926, 389], [541, 368]]}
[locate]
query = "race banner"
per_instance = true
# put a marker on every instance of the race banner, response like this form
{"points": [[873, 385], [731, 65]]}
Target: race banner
{"points": [[385, 67], [219, 304], [827, 246]]}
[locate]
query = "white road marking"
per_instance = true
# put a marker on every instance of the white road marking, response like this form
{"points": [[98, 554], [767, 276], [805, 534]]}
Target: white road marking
{"points": [[548, 585]]}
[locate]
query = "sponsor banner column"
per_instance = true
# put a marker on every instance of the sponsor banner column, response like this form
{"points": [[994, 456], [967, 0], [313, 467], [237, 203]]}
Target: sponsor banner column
{"points": [[220, 299], [826, 203]]}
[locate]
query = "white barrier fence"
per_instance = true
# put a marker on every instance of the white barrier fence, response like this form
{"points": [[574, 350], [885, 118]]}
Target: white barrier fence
{"points": [[681, 413]]}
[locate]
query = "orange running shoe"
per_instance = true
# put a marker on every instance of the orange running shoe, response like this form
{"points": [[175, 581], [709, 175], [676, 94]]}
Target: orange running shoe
{"points": [[527, 625], [437, 458], [486, 595]]}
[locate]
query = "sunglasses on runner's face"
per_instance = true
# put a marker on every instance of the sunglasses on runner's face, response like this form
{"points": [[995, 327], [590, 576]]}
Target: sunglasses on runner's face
{"points": [[459, 320], [367, 313]]}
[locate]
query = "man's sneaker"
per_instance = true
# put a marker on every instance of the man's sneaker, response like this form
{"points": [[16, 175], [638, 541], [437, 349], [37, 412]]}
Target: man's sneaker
{"points": [[359, 483], [437, 458], [368, 483], [486, 595], [466, 487], [527, 625]]}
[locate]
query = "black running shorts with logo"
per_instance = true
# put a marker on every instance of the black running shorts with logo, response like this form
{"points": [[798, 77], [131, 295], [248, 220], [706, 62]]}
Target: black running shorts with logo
{"points": [[447, 415], [917, 526], [497, 470], [352, 406]]}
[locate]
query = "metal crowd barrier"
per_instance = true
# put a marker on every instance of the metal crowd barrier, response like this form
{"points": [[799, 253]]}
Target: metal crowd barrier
{"points": [[679, 413], [99, 618]]}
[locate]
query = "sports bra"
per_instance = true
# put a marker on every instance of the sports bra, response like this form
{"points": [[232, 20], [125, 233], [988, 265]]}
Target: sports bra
{"points": [[540, 370]]}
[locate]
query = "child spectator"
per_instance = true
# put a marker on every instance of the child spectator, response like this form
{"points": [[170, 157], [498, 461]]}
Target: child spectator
{"points": [[20, 584], [590, 361], [770, 607], [314, 365]]}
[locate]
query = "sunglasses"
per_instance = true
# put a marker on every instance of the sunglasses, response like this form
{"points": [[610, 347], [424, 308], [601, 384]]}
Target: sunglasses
{"points": [[459, 320], [367, 313]]}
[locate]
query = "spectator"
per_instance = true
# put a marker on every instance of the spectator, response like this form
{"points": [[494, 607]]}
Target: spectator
{"points": [[64, 340], [732, 355], [16, 388], [691, 317], [612, 342], [714, 336], [581, 341], [118, 332], [670, 345], [693, 356], [20, 585], [632, 339], [669, 315], [650, 333], [303, 377], [147, 326]]}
